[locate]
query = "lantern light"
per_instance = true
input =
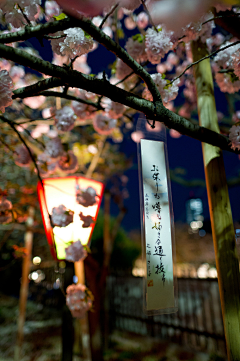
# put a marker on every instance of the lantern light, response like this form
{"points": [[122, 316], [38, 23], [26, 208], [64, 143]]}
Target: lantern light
{"points": [[54, 192]]}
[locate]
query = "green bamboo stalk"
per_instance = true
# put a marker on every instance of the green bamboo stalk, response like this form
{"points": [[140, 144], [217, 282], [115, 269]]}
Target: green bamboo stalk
{"points": [[219, 206]]}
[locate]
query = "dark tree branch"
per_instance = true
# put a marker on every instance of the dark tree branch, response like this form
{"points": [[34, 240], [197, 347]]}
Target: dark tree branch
{"points": [[152, 110], [107, 15], [35, 89], [71, 97]]}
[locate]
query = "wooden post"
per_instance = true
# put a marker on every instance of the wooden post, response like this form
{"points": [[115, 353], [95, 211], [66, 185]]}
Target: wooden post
{"points": [[79, 272], [24, 284], [220, 211]]}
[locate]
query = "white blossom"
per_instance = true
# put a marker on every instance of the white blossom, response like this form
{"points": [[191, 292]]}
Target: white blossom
{"points": [[167, 91], [78, 300], [52, 9], [54, 147], [135, 47], [142, 20], [86, 197], [227, 83], [64, 119], [76, 43], [224, 59], [103, 124], [234, 136], [5, 90], [75, 252], [158, 43], [61, 217]]}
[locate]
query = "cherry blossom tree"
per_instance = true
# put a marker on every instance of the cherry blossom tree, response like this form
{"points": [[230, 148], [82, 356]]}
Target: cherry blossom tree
{"points": [[58, 117]]}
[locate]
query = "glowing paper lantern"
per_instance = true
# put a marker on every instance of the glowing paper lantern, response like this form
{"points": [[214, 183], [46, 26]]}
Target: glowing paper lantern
{"points": [[63, 191]]}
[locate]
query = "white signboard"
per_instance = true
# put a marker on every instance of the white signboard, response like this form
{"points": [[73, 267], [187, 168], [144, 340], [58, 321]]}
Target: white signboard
{"points": [[159, 259]]}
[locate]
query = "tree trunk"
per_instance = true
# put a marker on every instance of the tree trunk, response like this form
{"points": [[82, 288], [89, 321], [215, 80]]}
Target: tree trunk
{"points": [[220, 211]]}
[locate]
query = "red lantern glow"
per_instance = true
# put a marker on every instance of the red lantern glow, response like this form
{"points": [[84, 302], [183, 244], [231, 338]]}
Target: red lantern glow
{"points": [[62, 191]]}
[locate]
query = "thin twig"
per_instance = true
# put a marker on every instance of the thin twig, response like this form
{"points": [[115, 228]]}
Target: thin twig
{"points": [[24, 15], [125, 78], [149, 16], [107, 15], [220, 16], [205, 57], [12, 125], [50, 93], [55, 37]]}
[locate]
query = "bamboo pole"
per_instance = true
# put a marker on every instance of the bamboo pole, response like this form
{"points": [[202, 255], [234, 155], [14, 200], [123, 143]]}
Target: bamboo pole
{"points": [[28, 237], [79, 272], [220, 211]]}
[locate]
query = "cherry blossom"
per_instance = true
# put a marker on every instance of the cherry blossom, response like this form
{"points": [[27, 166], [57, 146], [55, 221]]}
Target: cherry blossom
{"points": [[68, 162], [167, 91], [79, 300], [158, 43], [64, 119], [54, 147], [76, 42], [22, 158], [142, 20], [5, 211], [87, 220], [234, 136], [75, 252], [46, 164], [86, 197], [135, 47], [61, 217], [103, 124]]}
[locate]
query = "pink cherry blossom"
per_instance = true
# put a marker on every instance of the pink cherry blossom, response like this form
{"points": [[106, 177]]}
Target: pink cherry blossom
{"points": [[34, 102], [103, 124], [78, 300], [86, 197], [54, 147], [137, 136], [46, 164], [135, 47], [75, 252], [64, 119], [234, 136], [87, 220], [61, 217], [5, 211], [68, 162], [158, 43], [142, 20], [22, 158], [174, 133]]}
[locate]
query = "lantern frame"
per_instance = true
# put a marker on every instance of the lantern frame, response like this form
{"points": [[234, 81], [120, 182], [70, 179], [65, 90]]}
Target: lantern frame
{"points": [[45, 212]]}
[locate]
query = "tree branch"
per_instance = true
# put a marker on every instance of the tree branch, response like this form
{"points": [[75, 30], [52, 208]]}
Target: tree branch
{"points": [[70, 97], [35, 89], [154, 111]]}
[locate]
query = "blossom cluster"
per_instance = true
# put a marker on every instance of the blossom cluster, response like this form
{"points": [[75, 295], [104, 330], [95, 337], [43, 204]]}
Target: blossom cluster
{"points": [[79, 300]]}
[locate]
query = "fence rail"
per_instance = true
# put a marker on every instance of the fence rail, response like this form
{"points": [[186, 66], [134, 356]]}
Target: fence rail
{"points": [[198, 322]]}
